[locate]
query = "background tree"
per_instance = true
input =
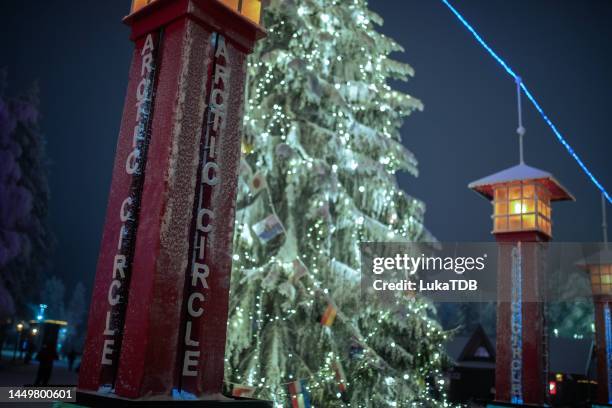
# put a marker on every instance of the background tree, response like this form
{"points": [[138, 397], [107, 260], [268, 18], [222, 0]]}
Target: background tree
{"points": [[15, 199], [572, 314], [53, 294], [76, 313], [321, 150], [23, 274]]}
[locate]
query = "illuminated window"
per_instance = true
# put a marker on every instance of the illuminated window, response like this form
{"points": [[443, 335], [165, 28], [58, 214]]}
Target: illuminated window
{"points": [[251, 9], [521, 206], [601, 279]]}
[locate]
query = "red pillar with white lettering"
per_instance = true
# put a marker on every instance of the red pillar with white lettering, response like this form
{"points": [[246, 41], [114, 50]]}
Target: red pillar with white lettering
{"points": [[521, 198], [157, 323]]}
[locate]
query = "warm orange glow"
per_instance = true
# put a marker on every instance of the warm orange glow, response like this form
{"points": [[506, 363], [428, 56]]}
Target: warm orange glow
{"points": [[601, 279], [138, 4], [251, 9], [521, 206]]}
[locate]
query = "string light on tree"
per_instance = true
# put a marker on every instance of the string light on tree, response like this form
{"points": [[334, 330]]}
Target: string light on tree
{"points": [[323, 127]]}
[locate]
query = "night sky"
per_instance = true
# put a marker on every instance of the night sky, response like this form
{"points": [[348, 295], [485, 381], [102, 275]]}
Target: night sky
{"points": [[80, 53]]}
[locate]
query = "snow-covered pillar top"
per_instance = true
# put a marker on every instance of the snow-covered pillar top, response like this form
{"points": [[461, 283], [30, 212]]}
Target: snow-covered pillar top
{"points": [[159, 308]]}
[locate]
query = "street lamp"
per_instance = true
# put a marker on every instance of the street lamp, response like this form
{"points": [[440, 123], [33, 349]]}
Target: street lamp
{"points": [[521, 198], [19, 328], [599, 268], [522, 225]]}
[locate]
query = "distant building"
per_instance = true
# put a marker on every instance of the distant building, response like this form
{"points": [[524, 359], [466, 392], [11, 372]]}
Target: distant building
{"points": [[472, 376]]}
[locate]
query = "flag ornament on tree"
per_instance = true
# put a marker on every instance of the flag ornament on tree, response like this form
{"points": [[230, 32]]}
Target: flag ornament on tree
{"points": [[258, 183], [356, 350], [268, 228], [299, 269], [243, 391], [299, 394], [329, 316]]}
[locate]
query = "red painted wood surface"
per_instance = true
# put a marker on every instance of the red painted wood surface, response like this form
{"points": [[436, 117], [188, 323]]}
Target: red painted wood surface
{"points": [[92, 374], [153, 336], [224, 152]]}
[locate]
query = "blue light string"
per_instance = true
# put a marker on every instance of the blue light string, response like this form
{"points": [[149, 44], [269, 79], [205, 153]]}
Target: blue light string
{"points": [[608, 329], [516, 327], [509, 70]]}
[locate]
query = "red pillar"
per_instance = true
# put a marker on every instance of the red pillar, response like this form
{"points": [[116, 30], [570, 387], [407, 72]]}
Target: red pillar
{"points": [[521, 370], [603, 380], [181, 130]]}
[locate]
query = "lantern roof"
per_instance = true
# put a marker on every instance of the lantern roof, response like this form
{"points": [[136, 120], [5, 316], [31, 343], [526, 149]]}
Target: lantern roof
{"points": [[521, 172], [599, 258]]}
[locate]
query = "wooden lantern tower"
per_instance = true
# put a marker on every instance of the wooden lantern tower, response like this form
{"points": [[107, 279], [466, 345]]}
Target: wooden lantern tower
{"points": [[599, 268], [522, 225]]}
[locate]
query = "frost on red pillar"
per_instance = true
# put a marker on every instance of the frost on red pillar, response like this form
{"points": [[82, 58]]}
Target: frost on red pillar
{"points": [[170, 326]]}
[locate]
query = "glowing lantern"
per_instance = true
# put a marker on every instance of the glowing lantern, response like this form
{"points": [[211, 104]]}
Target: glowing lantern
{"points": [[251, 9], [521, 197], [599, 267]]}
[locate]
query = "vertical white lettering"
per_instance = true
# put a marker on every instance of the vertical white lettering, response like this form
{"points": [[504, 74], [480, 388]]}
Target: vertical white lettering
{"points": [[132, 162], [147, 61], [202, 245], [122, 233], [211, 147], [148, 45], [192, 312], [188, 340], [107, 329], [125, 213], [190, 362], [107, 352], [113, 299], [200, 223], [221, 75], [217, 99], [200, 272], [209, 174], [221, 50], [218, 120], [142, 87], [119, 266]]}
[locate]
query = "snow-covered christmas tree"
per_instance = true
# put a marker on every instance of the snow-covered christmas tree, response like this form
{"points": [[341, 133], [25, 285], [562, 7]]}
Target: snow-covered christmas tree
{"points": [[320, 153]]}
